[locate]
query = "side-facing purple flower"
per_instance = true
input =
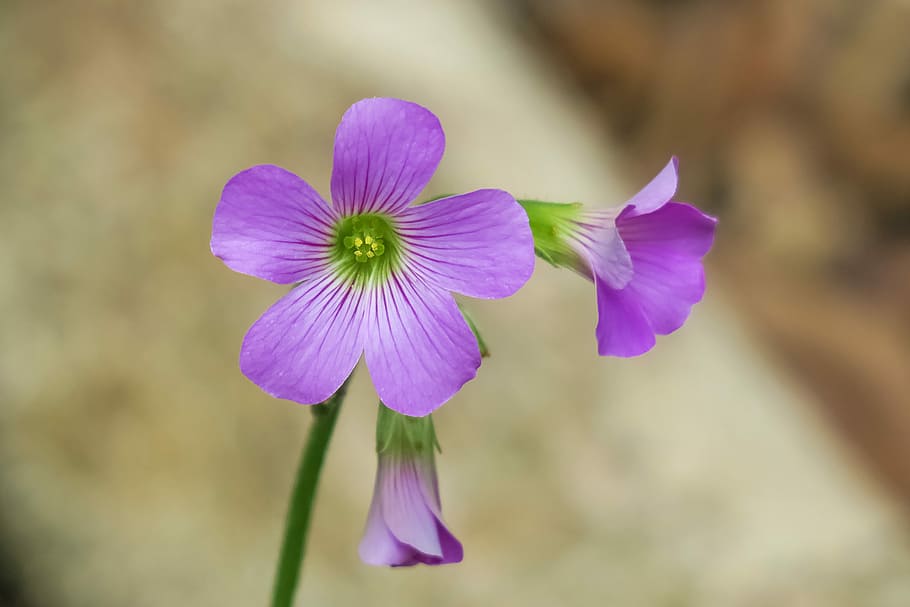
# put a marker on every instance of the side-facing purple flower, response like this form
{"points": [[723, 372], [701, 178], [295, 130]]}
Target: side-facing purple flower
{"points": [[375, 273], [405, 526], [645, 259]]}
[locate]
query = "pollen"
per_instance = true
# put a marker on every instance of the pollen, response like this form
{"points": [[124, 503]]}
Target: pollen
{"points": [[364, 241]]}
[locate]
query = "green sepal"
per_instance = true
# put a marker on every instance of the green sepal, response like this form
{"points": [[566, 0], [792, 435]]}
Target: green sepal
{"points": [[481, 344], [405, 435], [552, 223], [434, 198]]}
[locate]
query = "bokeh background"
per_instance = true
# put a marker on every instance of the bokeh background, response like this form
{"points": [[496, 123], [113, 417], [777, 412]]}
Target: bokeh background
{"points": [[760, 456]]}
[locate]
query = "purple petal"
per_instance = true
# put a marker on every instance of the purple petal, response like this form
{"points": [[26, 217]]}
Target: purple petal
{"points": [[622, 328], [478, 244], [666, 248], [386, 151], [271, 224], [306, 345], [657, 193], [677, 229], [452, 550], [420, 350], [600, 244], [379, 546], [403, 527], [405, 512]]}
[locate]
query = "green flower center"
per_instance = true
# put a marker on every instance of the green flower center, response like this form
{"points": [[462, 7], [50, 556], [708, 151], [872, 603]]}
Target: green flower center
{"points": [[367, 248]]}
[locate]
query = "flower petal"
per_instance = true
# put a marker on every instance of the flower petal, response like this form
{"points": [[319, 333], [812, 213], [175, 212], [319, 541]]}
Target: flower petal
{"points": [[600, 244], [666, 248], [478, 244], [378, 546], [403, 508], [452, 551], [420, 350], [386, 151], [658, 192], [677, 229], [622, 328], [306, 345], [271, 224]]}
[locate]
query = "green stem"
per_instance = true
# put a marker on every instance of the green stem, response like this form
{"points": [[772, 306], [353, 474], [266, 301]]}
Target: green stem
{"points": [[297, 524]]}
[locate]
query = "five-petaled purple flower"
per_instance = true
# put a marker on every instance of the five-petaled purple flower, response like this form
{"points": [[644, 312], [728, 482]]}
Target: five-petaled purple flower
{"points": [[645, 259], [375, 274]]}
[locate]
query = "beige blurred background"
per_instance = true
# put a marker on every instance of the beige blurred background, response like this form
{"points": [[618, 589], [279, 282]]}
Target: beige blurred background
{"points": [[761, 456]]}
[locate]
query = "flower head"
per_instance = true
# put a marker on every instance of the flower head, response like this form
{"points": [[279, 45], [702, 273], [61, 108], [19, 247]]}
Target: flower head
{"points": [[405, 526], [375, 274], [645, 259]]}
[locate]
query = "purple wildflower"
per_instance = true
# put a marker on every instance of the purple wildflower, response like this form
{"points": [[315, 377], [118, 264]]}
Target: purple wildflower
{"points": [[645, 259], [405, 526], [375, 274]]}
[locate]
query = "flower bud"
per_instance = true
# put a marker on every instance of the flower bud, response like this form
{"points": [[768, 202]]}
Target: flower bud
{"points": [[404, 526]]}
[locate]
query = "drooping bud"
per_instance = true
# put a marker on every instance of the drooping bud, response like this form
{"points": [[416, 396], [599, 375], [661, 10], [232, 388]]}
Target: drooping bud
{"points": [[404, 526]]}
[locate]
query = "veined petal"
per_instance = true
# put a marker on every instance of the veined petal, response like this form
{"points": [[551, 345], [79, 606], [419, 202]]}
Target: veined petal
{"points": [[404, 510], [658, 192], [386, 151], [677, 229], [600, 244], [622, 328], [306, 345], [379, 546], [271, 224], [478, 244], [419, 349], [666, 248]]}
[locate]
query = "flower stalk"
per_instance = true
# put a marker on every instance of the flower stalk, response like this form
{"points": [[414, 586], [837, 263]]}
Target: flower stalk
{"points": [[300, 510]]}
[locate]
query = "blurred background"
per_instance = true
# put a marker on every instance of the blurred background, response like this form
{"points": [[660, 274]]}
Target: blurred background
{"points": [[760, 456]]}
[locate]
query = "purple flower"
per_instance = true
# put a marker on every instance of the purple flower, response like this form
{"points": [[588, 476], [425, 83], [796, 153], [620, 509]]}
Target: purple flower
{"points": [[645, 259], [375, 274], [405, 526]]}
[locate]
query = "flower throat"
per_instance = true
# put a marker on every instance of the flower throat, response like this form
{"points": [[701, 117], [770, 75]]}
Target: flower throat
{"points": [[366, 247]]}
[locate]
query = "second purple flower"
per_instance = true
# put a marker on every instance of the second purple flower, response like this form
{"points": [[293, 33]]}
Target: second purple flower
{"points": [[644, 258]]}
